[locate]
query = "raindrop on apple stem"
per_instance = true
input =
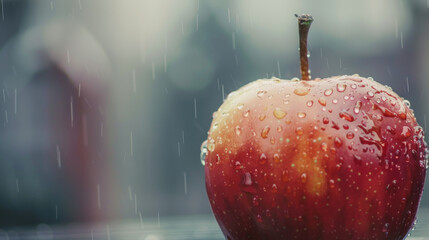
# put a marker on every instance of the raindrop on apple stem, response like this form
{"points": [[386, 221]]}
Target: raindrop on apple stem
{"points": [[203, 153]]}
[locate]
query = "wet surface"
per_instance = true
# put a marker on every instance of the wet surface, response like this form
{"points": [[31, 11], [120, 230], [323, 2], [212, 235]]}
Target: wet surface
{"points": [[202, 227]]}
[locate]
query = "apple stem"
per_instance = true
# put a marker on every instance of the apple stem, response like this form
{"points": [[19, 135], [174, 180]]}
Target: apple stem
{"points": [[304, 23]]}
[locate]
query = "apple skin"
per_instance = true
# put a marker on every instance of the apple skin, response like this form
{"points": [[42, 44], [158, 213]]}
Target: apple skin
{"points": [[335, 158]]}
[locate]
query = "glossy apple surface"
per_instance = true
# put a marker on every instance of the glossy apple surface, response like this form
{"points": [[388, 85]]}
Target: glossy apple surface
{"points": [[334, 158]]}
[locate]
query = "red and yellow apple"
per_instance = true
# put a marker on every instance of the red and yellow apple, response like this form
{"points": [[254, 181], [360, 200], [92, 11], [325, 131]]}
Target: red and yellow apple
{"points": [[334, 158]]}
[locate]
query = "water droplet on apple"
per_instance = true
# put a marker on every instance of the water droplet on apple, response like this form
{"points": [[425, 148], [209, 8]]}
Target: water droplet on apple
{"points": [[301, 114], [278, 113], [302, 91], [285, 176], [325, 120], [274, 188], [350, 135], [218, 160], [357, 159], [335, 125], [337, 142], [310, 103], [407, 103], [262, 117], [237, 130], [331, 183], [279, 129], [247, 179], [240, 106], [211, 145], [265, 131], [386, 228], [255, 201], [304, 178], [402, 115], [276, 158], [299, 130], [322, 101], [357, 107], [246, 113], [262, 159], [259, 218], [346, 116], [386, 112], [238, 165], [324, 147], [328, 92], [370, 93], [341, 87], [406, 132], [248, 184], [203, 152], [260, 94], [391, 130]]}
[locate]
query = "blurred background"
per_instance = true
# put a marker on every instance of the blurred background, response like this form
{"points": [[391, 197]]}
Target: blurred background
{"points": [[104, 104]]}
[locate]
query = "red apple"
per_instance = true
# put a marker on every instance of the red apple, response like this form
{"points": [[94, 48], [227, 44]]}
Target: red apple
{"points": [[333, 158]]}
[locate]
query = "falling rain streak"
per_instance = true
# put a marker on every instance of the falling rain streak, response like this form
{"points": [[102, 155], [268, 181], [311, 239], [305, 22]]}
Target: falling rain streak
{"points": [[16, 107], [278, 69], [58, 156], [131, 145], [195, 108], [223, 93], [229, 15], [408, 85], [71, 111], [2, 10], [233, 40], [135, 204], [178, 148], [183, 136], [85, 130], [141, 220], [98, 197], [185, 183]]}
